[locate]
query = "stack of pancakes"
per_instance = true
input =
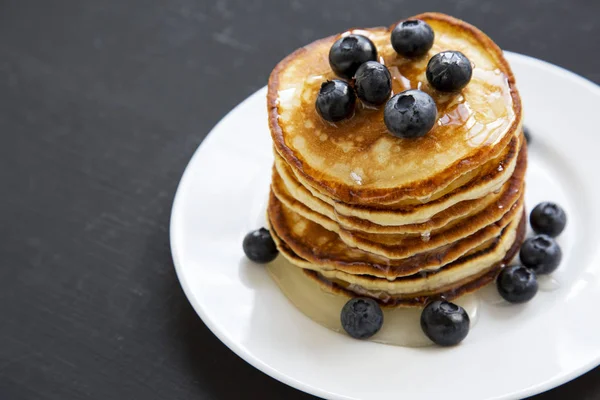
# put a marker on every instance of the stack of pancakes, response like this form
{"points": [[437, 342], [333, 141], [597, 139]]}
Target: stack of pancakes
{"points": [[365, 213]]}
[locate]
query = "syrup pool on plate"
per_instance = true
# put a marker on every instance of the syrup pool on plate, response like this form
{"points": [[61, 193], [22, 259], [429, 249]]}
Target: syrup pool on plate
{"points": [[401, 326]]}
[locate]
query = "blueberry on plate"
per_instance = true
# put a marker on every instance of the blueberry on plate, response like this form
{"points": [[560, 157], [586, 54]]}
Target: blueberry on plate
{"points": [[517, 284], [449, 71], [350, 52], [541, 253], [410, 114], [361, 317], [412, 38], [336, 100], [548, 218], [373, 83], [445, 323], [527, 134], [259, 246]]}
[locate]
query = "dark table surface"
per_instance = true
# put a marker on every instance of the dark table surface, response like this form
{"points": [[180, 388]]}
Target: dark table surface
{"points": [[102, 103]]}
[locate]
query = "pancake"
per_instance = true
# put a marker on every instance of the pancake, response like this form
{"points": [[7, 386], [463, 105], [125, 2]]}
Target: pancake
{"points": [[470, 265], [503, 158], [297, 197], [418, 299], [357, 161], [304, 230], [398, 246], [325, 250], [364, 213]]}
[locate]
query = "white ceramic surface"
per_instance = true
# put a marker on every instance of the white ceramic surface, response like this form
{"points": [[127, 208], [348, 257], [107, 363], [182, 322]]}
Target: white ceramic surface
{"points": [[513, 351]]}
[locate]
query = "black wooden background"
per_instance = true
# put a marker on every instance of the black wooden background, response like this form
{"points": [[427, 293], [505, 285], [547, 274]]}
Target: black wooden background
{"points": [[102, 103]]}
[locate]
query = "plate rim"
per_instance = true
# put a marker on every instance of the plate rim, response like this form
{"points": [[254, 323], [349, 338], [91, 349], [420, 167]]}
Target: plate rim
{"points": [[264, 367]]}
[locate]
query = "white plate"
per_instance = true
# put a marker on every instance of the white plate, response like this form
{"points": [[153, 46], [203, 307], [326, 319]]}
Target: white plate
{"points": [[513, 351]]}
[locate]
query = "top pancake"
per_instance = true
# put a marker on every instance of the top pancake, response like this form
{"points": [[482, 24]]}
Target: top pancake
{"points": [[357, 161]]}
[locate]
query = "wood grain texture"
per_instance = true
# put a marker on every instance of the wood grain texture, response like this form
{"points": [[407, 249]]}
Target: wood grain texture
{"points": [[102, 103]]}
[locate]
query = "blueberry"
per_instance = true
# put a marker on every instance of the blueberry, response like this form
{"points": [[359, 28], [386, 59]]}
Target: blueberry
{"points": [[412, 38], [445, 323], [410, 114], [373, 83], [350, 52], [527, 134], [541, 253], [336, 100], [548, 218], [361, 318], [449, 71], [517, 284], [259, 246]]}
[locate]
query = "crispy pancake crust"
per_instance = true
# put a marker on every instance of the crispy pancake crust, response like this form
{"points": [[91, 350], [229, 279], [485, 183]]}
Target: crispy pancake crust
{"points": [[328, 246], [470, 264], [358, 262], [296, 197], [393, 218], [450, 292]]}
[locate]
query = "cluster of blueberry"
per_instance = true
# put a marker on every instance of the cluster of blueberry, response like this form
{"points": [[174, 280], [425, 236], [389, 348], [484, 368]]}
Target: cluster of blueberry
{"points": [[409, 114], [539, 254], [446, 323]]}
